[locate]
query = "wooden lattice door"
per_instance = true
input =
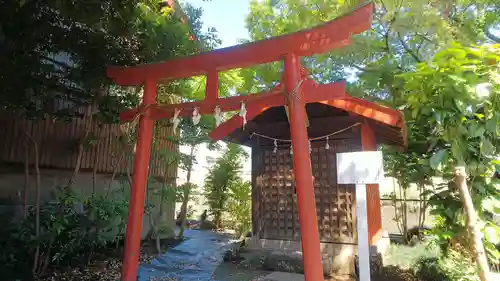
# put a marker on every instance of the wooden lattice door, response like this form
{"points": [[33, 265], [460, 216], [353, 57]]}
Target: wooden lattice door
{"points": [[275, 213]]}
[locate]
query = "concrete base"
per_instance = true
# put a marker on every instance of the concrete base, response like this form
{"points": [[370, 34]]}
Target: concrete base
{"points": [[338, 259]]}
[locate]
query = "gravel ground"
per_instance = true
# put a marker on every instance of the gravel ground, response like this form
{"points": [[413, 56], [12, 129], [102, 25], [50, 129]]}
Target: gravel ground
{"points": [[107, 270]]}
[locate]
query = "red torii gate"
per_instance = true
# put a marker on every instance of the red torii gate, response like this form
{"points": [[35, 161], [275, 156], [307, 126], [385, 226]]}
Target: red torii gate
{"points": [[290, 92]]}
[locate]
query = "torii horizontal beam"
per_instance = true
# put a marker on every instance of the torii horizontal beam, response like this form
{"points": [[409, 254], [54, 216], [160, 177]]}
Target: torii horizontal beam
{"points": [[350, 104], [320, 39], [263, 100]]}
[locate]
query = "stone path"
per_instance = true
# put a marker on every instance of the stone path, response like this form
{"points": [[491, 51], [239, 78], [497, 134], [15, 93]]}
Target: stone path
{"points": [[194, 259]]}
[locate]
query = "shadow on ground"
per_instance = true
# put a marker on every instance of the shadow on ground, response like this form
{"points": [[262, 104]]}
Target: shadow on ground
{"points": [[229, 271]]}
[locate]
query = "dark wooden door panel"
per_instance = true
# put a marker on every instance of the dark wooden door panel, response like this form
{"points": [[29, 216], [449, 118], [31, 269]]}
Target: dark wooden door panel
{"points": [[275, 200]]}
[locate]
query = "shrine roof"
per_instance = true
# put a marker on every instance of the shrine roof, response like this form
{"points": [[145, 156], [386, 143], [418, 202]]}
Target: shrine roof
{"points": [[342, 115]]}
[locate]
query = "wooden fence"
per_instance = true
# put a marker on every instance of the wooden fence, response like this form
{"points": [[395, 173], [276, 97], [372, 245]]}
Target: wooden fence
{"points": [[58, 143]]}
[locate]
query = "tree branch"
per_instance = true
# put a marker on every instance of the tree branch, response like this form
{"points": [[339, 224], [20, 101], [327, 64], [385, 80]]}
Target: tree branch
{"points": [[391, 22], [408, 50], [424, 38], [56, 62], [491, 36], [362, 68]]}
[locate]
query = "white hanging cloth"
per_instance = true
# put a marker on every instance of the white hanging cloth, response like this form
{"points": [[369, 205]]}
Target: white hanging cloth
{"points": [[218, 116], [176, 120], [196, 116], [243, 114]]}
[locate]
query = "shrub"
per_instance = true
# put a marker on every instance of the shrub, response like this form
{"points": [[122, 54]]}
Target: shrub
{"points": [[453, 267], [71, 230], [239, 207]]}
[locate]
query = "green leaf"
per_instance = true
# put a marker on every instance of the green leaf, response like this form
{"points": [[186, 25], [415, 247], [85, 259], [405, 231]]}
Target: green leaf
{"points": [[492, 205], [492, 250], [491, 126], [476, 130], [457, 151], [492, 233], [487, 147], [438, 158], [450, 213]]}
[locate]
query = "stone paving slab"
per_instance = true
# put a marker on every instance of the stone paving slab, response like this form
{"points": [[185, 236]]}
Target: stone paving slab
{"points": [[283, 276]]}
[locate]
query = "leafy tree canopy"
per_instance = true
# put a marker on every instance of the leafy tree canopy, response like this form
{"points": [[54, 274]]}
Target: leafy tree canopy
{"points": [[404, 32], [59, 49]]}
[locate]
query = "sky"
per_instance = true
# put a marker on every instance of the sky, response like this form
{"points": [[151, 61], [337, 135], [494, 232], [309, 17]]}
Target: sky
{"points": [[226, 16]]}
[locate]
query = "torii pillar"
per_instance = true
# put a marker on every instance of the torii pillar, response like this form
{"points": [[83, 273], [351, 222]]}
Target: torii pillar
{"points": [[313, 266]]}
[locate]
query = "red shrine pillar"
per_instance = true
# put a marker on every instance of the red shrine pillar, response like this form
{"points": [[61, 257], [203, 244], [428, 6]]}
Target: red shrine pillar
{"points": [[369, 143], [138, 190], [313, 267]]}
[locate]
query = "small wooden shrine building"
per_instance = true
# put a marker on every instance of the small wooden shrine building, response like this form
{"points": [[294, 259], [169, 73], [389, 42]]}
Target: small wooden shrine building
{"points": [[345, 125], [336, 119]]}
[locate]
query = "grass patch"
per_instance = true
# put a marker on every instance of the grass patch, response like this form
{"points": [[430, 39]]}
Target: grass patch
{"points": [[404, 256]]}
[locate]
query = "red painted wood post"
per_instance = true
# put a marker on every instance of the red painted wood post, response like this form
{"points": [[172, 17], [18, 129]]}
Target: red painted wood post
{"points": [[212, 88], [138, 190], [369, 143], [313, 267]]}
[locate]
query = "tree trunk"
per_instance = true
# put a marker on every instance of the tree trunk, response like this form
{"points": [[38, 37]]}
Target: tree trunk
{"points": [[423, 207], [160, 215], [26, 179], [150, 234], [96, 163], [218, 218], [48, 257], [156, 230], [476, 244], [395, 203], [187, 189], [37, 202], [81, 145], [115, 171], [405, 214]]}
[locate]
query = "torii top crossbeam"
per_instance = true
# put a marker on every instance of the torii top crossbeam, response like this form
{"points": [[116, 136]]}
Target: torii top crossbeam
{"points": [[320, 39], [294, 91]]}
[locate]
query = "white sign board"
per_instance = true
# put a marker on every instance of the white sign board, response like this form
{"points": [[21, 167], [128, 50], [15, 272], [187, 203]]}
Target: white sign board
{"points": [[364, 167], [361, 168]]}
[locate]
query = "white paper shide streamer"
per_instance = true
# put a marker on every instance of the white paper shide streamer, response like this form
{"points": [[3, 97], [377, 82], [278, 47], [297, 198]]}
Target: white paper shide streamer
{"points": [[176, 120], [243, 114], [218, 116], [196, 115]]}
